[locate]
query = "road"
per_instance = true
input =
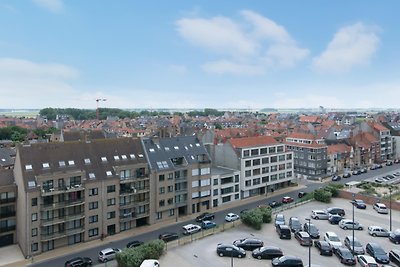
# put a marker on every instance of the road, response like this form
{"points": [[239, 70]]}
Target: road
{"points": [[219, 217]]}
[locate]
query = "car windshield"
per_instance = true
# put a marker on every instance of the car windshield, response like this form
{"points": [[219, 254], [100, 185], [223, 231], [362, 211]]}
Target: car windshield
{"points": [[379, 251], [356, 243], [347, 254], [334, 238]]}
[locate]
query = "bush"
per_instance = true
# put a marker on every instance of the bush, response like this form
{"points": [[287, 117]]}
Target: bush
{"points": [[322, 195], [266, 214], [333, 190], [133, 257], [308, 196], [253, 218]]}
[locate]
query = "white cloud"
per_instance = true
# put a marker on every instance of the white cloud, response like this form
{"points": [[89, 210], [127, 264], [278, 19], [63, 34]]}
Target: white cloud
{"points": [[54, 6], [248, 47], [351, 46]]}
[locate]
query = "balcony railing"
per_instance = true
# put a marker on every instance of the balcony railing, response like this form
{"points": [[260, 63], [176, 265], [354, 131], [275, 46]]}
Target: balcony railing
{"points": [[7, 200], [61, 219], [66, 203], [58, 190], [134, 203], [7, 214], [61, 234], [134, 190], [7, 229], [133, 215]]}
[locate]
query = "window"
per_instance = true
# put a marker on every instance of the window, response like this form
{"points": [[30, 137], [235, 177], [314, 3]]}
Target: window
{"points": [[170, 201], [273, 168], [254, 152], [265, 179], [247, 173], [265, 160], [103, 159], [92, 175], [159, 215], [161, 190], [61, 163], [247, 183], [256, 172], [93, 219], [272, 150], [93, 205], [93, 232], [195, 172], [170, 188], [161, 177], [246, 153], [34, 217], [282, 158], [171, 212], [34, 232], [247, 163], [161, 203], [93, 191], [171, 176], [263, 151], [110, 215], [215, 181], [110, 188], [71, 162], [256, 162], [109, 173], [205, 182], [265, 170], [116, 158], [34, 247], [280, 149], [236, 178], [281, 167], [46, 165], [124, 157], [111, 202], [34, 202], [215, 192], [87, 161], [256, 181], [28, 167]]}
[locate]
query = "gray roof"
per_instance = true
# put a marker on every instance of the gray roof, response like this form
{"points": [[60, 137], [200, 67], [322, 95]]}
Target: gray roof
{"points": [[6, 157], [162, 153], [48, 158], [218, 170], [6, 177]]}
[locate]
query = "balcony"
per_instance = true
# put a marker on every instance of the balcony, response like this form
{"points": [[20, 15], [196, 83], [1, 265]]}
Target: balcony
{"points": [[133, 216], [7, 214], [61, 234], [134, 203], [62, 219], [64, 204], [181, 178], [7, 229], [7, 200], [134, 190], [60, 190]]}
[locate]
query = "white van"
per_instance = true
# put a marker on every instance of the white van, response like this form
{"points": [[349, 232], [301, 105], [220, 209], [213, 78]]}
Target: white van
{"points": [[150, 263], [191, 229]]}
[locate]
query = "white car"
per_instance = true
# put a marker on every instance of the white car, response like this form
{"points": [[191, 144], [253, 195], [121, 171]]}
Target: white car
{"points": [[367, 261], [348, 224], [230, 217], [108, 254], [378, 231], [191, 229], [319, 215], [381, 208], [333, 239]]}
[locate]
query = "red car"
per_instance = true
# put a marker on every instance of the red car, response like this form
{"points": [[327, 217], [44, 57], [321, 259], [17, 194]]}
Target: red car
{"points": [[287, 199]]}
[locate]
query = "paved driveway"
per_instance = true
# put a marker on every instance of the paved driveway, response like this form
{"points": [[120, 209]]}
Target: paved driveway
{"points": [[202, 252]]}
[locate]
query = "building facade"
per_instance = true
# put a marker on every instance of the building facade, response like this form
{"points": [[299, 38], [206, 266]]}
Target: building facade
{"points": [[8, 200], [225, 185]]}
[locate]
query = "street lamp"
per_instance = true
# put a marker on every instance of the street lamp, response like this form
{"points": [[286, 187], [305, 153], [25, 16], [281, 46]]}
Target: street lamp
{"points": [[309, 247], [390, 208], [353, 203]]}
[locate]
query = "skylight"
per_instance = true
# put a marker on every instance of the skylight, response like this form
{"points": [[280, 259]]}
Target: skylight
{"points": [[61, 163], [132, 156], [28, 167], [92, 175], [165, 164], [109, 173], [151, 150], [140, 155], [116, 157], [103, 159], [87, 161], [124, 157], [46, 165], [71, 162], [176, 147], [166, 148], [31, 184]]}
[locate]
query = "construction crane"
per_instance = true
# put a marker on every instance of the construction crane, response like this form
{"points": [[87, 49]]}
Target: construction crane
{"points": [[97, 106]]}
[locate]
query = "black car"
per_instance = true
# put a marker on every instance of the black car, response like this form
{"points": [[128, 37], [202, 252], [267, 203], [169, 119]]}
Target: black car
{"points": [[335, 219], [230, 250], [345, 256], [394, 256], [377, 252], [134, 243], [275, 204], [79, 262], [359, 204], [248, 243], [323, 247], [301, 194], [312, 230], [287, 261], [267, 252], [295, 224], [336, 178], [206, 216], [347, 175], [168, 236], [395, 236], [336, 210]]}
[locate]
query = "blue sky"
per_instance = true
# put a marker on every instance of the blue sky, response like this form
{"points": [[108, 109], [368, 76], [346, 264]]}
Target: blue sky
{"points": [[199, 54]]}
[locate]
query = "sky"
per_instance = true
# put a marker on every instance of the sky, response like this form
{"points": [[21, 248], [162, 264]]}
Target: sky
{"points": [[199, 54]]}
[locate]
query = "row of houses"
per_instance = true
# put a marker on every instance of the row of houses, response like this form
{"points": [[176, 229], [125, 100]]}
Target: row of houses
{"points": [[62, 193]]}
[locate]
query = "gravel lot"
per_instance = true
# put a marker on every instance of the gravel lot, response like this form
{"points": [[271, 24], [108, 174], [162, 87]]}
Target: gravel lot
{"points": [[202, 252]]}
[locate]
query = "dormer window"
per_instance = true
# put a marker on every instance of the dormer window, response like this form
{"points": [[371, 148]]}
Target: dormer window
{"points": [[71, 162], [61, 163], [132, 156], [116, 158], [28, 167], [46, 165], [87, 161], [103, 159], [124, 157]]}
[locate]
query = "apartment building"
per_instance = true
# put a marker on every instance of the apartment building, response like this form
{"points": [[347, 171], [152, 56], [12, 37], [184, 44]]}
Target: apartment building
{"points": [[310, 155], [385, 138], [180, 177], [75, 192], [264, 163], [225, 185], [8, 200]]}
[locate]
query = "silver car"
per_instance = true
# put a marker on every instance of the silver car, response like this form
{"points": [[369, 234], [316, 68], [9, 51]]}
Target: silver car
{"points": [[319, 215], [349, 224], [378, 231]]}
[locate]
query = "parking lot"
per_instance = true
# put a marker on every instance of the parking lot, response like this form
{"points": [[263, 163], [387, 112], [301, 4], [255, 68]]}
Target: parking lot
{"points": [[202, 252]]}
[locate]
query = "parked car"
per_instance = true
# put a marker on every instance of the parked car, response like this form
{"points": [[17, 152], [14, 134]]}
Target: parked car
{"points": [[345, 256], [230, 217], [358, 248], [206, 216], [335, 219], [191, 229], [333, 240], [377, 252], [347, 175], [108, 254], [294, 224], [168, 236], [248, 243], [394, 256], [267, 252], [367, 261], [230, 250], [275, 204], [349, 224], [78, 262], [301, 194], [134, 243], [378, 231], [303, 238], [323, 247], [311, 229], [319, 215], [208, 224], [279, 219], [288, 261], [389, 163], [287, 199], [380, 208], [380, 180], [283, 231], [356, 172], [150, 263], [336, 178], [359, 204], [363, 170], [395, 236], [336, 210]]}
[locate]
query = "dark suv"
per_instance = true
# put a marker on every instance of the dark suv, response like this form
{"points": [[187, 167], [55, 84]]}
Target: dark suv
{"points": [[79, 262], [248, 243], [206, 216], [168, 236], [336, 210]]}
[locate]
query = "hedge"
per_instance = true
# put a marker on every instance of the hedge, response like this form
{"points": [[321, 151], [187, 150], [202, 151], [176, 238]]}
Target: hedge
{"points": [[133, 257]]}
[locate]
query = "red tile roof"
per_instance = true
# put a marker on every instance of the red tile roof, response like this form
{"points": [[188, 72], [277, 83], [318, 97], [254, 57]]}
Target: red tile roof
{"points": [[301, 136], [339, 148], [252, 141]]}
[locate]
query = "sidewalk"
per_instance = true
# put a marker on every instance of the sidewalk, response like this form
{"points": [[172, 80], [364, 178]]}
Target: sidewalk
{"points": [[10, 260]]}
